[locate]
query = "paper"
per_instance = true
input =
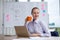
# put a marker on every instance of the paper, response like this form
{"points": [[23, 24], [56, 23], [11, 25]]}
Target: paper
{"points": [[7, 17]]}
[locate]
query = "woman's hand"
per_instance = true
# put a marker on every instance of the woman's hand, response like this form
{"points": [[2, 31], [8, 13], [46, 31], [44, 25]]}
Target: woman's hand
{"points": [[35, 35], [26, 20]]}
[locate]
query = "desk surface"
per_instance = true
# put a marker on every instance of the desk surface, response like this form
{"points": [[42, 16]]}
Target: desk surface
{"points": [[31, 38], [39, 38]]}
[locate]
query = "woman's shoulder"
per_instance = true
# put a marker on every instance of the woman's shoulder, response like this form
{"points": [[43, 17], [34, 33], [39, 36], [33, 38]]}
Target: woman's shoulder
{"points": [[41, 21]]}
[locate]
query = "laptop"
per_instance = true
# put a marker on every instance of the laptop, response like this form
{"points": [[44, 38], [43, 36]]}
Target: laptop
{"points": [[21, 31]]}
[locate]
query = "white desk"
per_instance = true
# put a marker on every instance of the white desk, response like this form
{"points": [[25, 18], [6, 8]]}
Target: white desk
{"points": [[38, 38]]}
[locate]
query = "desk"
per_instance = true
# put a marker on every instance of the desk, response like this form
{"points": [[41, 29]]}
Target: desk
{"points": [[39, 38], [31, 38], [1, 37]]}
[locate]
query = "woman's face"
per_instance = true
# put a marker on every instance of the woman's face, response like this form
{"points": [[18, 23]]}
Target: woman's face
{"points": [[35, 13]]}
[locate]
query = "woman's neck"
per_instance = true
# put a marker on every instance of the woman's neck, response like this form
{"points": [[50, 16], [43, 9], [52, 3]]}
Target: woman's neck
{"points": [[34, 19]]}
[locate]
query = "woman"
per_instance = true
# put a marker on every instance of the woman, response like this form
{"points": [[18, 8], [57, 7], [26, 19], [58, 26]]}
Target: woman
{"points": [[36, 27]]}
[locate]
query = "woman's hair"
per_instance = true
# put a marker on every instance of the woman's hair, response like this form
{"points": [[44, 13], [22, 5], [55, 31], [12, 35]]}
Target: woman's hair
{"points": [[33, 9]]}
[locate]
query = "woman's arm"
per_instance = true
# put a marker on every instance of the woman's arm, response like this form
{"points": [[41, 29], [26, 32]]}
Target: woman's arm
{"points": [[35, 35], [45, 29]]}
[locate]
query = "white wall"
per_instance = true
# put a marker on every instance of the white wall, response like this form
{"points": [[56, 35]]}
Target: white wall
{"points": [[9, 0], [1, 8], [53, 11], [1, 13], [59, 7]]}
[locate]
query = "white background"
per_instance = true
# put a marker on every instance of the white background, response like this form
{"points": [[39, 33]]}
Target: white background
{"points": [[53, 11]]}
